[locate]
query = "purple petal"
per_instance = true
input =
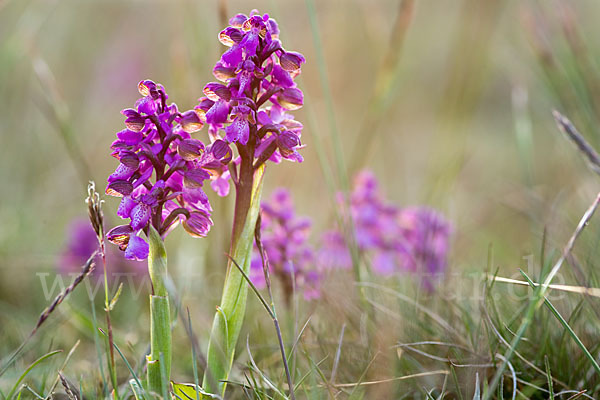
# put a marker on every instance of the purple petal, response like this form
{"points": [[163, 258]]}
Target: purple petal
{"points": [[148, 88], [120, 235], [287, 141], [129, 158], [230, 36], [196, 197], [232, 57], [250, 43], [137, 249], [264, 145], [198, 224], [190, 149], [263, 118], [146, 105], [238, 20], [222, 72], [218, 113], [130, 137], [244, 79], [134, 120], [195, 178], [273, 27], [238, 130], [119, 188], [140, 215], [291, 61], [220, 149], [127, 204], [122, 173], [291, 98], [130, 112], [294, 156], [191, 122], [282, 77], [146, 171], [221, 185], [216, 91]]}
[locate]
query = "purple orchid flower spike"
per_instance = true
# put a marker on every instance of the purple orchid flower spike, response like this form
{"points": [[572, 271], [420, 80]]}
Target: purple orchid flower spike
{"points": [[285, 241], [394, 239], [160, 179], [427, 234], [248, 107], [157, 143]]}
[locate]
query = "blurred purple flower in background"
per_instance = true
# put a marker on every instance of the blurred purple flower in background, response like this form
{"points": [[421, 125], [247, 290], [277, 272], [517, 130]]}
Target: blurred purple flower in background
{"points": [[413, 239], [157, 143], [426, 233], [81, 243], [284, 238]]}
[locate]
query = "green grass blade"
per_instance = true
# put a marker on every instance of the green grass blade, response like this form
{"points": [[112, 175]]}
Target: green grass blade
{"points": [[133, 374], [194, 365], [566, 325], [98, 348], [28, 370], [455, 379], [321, 63], [549, 376]]}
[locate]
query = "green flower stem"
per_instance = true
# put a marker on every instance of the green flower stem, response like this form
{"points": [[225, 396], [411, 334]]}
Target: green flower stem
{"points": [[230, 314], [160, 314]]}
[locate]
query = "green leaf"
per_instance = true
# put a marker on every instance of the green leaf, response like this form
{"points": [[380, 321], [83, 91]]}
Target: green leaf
{"points": [[137, 390], [228, 320], [115, 298], [189, 391], [160, 316], [160, 338], [157, 262]]}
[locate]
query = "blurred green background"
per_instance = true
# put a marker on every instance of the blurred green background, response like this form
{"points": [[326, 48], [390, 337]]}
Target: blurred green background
{"points": [[449, 102]]}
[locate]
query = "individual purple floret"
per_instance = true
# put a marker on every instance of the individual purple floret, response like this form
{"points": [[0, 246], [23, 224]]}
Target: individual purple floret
{"points": [[81, 243], [250, 104], [414, 239], [284, 239], [162, 170]]}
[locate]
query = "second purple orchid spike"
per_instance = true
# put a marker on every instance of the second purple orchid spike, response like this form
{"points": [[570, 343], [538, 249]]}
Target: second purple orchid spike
{"points": [[162, 170]]}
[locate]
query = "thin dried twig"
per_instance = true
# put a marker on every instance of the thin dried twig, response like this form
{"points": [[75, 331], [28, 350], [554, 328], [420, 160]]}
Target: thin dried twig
{"points": [[582, 145], [397, 378], [85, 271], [585, 219], [590, 291]]}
